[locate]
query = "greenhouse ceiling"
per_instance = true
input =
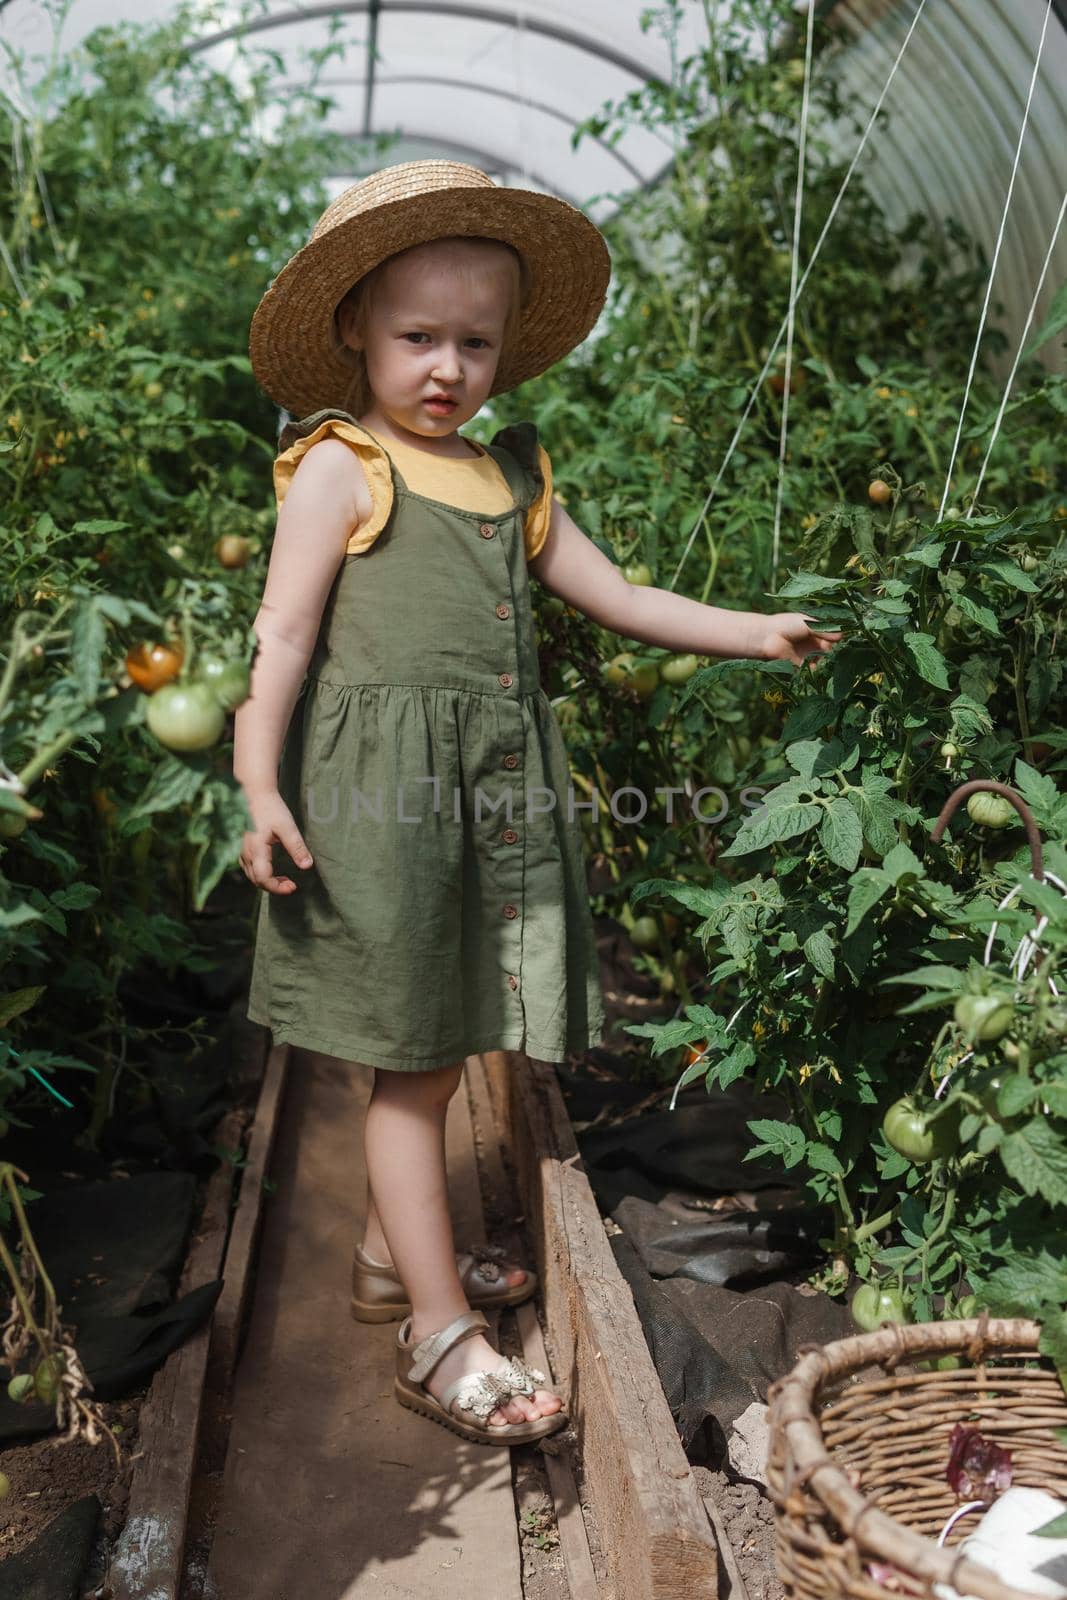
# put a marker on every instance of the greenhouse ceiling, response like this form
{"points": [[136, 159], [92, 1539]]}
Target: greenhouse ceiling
{"points": [[505, 86]]}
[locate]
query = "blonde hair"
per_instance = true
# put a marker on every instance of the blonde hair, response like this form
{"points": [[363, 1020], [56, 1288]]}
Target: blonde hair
{"points": [[360, 297]]}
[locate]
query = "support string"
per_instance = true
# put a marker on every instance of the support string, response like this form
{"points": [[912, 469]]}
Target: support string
{"points": [[1015, 366], [798, 211], [993, 268], [828, 224]]}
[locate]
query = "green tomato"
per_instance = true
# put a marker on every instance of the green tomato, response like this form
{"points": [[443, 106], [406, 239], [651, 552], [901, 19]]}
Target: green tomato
{"points": [[553, 606], [645, 933], [872, 1305], [991, 810], [638, 572], [678, 669], [21, 1388], [913, 1134], [12, 825], [227, 680], [967, 1307], [950, 751], [984, 1017], [1029, 562], [185, 716]]}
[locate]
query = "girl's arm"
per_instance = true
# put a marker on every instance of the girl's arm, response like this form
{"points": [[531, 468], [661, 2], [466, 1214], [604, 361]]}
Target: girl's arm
{"points": [[571, 566], [327, 498]]}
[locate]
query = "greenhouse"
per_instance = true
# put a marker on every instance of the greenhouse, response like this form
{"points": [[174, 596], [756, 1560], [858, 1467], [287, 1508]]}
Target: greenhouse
{"points": [[533, 799]]}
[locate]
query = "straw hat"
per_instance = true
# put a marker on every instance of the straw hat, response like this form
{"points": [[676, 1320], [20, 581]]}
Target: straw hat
{"points": [[294, 358]]}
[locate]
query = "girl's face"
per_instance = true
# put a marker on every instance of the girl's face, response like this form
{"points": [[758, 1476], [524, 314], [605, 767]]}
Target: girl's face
{"points": [[433, 331]]}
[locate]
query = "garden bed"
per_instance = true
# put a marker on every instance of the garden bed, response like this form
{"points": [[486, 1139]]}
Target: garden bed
{"points": [[155, 1198]]}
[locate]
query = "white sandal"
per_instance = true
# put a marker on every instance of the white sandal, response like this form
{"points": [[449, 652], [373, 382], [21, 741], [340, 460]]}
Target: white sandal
{"points": [[477, 1395]]}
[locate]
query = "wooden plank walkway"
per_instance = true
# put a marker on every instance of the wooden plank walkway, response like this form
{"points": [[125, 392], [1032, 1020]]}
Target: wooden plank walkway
{"points": [[332, 1491]]}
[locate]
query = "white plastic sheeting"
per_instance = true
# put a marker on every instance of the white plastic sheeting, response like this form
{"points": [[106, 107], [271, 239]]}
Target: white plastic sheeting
{"points": [[504, 85], [955, 111]]}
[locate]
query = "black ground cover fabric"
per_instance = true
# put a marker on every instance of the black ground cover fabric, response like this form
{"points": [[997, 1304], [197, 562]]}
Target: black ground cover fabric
{"points": [[114, 1251], [715, 1249], [51, 1567]]}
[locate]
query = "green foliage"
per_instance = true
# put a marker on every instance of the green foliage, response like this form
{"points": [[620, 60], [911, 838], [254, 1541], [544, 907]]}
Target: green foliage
{"points": [[818, 894], [143, 214]]}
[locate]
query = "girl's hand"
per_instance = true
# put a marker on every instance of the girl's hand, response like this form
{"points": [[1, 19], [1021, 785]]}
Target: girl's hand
{"points": [[274, 824], [786, 636]]}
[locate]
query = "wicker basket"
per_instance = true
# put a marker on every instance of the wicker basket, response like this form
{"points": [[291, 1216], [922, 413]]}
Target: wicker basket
{"points": [[858, 1450]]}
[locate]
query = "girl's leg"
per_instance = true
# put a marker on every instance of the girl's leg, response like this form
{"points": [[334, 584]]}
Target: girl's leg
{"points": [[404, 1140]]}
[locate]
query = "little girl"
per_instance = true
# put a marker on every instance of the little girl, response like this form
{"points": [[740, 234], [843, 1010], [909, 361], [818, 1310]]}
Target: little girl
{"points": [[397, 747]]}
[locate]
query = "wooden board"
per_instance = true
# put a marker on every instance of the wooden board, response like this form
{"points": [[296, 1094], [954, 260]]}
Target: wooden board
{"points": [[147, 1560], [650, 1516], [573, 1542], [231, 1306]]}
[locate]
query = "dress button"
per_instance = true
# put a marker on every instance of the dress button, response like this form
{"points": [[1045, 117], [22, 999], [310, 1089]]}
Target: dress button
{"points": [[509, 836], [511, 762], [487, 530], [513, 982], [510, 910], [506, 680], [503, 611]]}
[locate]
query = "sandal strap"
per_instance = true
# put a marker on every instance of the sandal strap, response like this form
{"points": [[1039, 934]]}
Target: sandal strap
{"points": [[481, 1393], [428, 1352]]}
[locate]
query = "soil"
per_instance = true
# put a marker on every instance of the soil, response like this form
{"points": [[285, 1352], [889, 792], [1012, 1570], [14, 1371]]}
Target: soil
{"points": [[47, 1476], [748, 1517]]}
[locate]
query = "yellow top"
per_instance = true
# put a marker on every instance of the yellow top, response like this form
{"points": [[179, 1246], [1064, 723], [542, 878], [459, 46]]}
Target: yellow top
{"points": [[474, 484]]}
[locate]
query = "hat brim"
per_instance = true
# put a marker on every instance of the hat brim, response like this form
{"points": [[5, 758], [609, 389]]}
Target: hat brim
{"points": [[292, 356]]}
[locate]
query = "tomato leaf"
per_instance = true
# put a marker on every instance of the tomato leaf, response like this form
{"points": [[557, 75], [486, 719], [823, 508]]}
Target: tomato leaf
{"points": [[1053, 324], [781, 1139], [866, 888], [841, 834], [17, 1001], [1036, 1157], [174, 782], [803, 584], [819, 950], [929, 662]]}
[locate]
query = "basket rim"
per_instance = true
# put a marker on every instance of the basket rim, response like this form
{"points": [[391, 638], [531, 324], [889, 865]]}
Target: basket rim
{"points": [[793, 1418]]}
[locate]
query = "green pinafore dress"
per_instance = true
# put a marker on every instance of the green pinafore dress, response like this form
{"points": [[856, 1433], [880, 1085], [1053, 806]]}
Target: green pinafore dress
{"points": [[447, 910]]}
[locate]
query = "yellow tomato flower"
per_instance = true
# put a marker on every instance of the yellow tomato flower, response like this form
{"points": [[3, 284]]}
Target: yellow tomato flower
{"points": [[912, 411], [884, 393], [147, 294], [773, 697], [758, 1030]]}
